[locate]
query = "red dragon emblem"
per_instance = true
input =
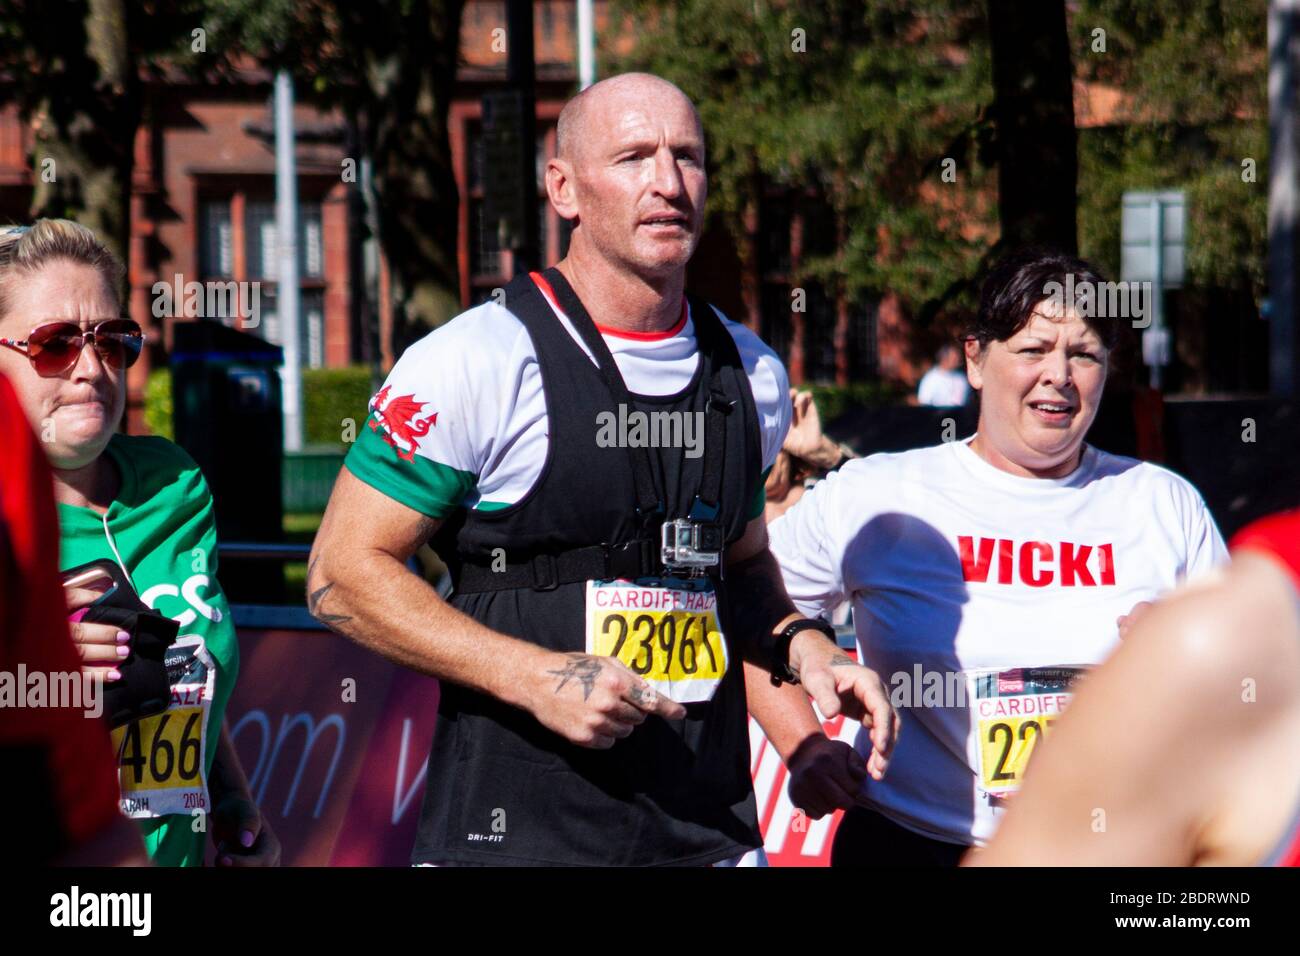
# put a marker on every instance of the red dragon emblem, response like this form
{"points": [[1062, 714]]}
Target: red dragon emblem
{"points": [[396, 416]]}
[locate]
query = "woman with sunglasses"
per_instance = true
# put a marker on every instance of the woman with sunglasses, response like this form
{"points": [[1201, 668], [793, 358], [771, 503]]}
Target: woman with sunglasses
{"points": [[141, 503]]}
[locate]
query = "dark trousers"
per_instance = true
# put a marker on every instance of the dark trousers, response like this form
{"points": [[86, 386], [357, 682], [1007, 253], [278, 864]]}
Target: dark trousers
{"points": [[865, 838]]}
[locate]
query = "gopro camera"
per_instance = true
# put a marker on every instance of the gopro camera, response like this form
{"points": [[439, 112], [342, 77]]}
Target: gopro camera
{"points": [[691, 547]]}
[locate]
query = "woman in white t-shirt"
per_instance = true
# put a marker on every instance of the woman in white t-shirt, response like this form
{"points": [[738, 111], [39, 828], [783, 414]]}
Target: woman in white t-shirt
{"points": [[986, 574]]}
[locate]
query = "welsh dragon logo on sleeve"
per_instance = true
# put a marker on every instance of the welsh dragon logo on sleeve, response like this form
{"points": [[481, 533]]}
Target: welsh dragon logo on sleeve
{"points": [[397, 416]]}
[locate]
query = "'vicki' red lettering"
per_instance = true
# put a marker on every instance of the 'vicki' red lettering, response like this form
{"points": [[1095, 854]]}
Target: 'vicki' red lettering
{"points": [[1036, 563]]}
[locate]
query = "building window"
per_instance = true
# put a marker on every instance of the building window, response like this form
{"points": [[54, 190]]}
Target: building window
{"points": [[259, 240], [777, 320], [863, 356], [484, 244], [819, 336], [217, 229], [311, 326], [489, 265], [774, 217], [818, 228], [312, 243], [474, 156], [216, 241], [311, 323], [548, 24]]}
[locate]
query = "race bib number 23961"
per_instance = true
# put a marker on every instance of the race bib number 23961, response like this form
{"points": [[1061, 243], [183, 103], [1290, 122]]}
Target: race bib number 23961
{"points": [[667, 632]]}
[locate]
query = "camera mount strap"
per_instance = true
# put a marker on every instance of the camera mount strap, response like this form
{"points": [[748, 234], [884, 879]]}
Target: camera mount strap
{"points": [[639, 557], [649, 501]]}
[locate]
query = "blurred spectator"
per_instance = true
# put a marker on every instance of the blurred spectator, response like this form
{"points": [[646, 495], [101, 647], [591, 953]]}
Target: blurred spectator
{"points": [[65, 810], [945, 385], [141, 502], [805, 457]]}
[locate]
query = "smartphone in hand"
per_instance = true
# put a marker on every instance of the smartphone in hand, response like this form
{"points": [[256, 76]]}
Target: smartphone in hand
{"points": [[94, 578]]}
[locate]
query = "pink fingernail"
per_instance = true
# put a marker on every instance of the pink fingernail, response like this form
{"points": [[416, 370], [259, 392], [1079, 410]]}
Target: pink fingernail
{"points": [[124, 652], [123, 637], [113, 675]]}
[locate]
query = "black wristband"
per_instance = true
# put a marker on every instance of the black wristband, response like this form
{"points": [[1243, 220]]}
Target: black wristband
{"points": [[781, 672], [846, 455]]}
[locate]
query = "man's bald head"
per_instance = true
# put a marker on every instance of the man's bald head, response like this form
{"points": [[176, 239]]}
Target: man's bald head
{"points": [[580, 114], [629, 175]]}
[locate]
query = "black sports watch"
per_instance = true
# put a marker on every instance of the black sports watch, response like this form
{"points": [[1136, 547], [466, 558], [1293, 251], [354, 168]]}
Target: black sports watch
{"points": [[781, 672]]}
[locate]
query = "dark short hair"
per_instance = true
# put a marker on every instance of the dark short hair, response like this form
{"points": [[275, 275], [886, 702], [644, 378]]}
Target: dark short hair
{"points": [[1020, 281]]}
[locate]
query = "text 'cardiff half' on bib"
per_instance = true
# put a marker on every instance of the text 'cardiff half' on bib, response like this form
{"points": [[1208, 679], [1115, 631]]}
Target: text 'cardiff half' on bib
{"points": [[161, 762], [1011, 710], [665, 629]]}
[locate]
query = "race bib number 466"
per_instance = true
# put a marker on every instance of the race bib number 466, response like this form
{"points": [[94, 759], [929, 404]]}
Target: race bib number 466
{"points": [[666, 631], [163, 752], [1011, 712], [161, 759]]}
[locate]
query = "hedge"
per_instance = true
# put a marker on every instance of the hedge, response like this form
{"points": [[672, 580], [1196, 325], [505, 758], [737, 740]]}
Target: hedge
{"points": [[158, 403], [330, 396], [834, 400]]}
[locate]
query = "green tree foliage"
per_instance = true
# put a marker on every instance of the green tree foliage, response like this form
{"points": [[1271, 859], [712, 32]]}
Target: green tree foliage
{"points": [[391, 66], [75, 69], [887, 89], [860, 104], [1193, 80]]}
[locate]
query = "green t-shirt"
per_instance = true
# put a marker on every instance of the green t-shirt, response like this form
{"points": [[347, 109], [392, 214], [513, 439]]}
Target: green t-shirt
{"points": [[162, 528]]}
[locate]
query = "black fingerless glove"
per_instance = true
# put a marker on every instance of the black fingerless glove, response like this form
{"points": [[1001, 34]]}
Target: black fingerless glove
{"points": [[143, 688]]}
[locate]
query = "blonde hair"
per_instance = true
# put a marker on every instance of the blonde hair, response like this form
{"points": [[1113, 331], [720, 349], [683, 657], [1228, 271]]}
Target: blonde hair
{"points": [[26, 249]]}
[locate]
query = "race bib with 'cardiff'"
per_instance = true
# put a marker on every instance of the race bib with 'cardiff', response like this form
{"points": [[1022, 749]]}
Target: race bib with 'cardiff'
{"points": [[162, 759], [664, 629], [1011, 710]]}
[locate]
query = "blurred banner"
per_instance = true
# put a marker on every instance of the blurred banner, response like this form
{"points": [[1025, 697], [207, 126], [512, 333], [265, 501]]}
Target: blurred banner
{"points": [[335, 742]]}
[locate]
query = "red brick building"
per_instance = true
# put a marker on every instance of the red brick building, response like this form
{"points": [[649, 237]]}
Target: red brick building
{"points": [[203, 209], [203, 190], [203, 198]]}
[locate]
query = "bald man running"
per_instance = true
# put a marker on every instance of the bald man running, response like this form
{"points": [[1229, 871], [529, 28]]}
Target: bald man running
{"points": [[588, 454]]}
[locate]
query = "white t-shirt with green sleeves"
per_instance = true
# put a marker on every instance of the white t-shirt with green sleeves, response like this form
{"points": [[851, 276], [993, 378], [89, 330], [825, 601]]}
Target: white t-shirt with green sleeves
{"points": [[461, 421]]}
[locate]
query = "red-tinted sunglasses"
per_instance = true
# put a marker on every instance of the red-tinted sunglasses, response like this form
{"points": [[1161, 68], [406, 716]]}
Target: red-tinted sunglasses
{"points": [[54, 348]]}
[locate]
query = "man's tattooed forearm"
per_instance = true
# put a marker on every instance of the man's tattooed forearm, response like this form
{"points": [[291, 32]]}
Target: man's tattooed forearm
{"points": [[582, 668], [317, 597]]}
